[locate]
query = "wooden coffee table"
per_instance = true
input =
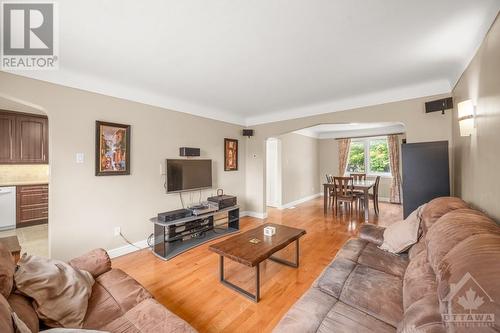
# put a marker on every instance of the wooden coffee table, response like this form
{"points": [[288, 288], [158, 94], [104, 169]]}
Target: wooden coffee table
{"points": [[240, 249]]}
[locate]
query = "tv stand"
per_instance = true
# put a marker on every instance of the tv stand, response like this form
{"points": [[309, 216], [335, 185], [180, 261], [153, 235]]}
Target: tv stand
{"points": [[214, 225]]}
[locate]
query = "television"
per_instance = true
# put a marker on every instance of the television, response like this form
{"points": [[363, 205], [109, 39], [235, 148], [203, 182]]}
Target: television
{"points": [[187, 175]]}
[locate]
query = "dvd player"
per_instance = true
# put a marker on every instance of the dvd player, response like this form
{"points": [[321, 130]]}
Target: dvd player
{"points": [[204, 208], [174, 215]]}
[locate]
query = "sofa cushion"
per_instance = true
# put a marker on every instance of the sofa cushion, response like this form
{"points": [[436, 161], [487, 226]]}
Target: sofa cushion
{"points": [[423, 316], [470, 271], [417, 248], [7, 268], [419, 280], [453, 228], [60, 292], [436, 208], [307, 313], [352, 249], [372, 233], [23, 307], [387, 262], [5, 316], [368, 254], [376, 293], [126, 291], [400, 235], [96, 262], [333, 278], [345, 318], [102, 308], [149, 316]]}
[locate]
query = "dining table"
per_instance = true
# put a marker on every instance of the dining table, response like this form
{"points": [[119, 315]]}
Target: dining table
{"points": [[361, 185]]}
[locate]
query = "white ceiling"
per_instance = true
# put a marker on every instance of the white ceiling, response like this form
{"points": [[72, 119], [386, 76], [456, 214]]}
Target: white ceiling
{"points": [[348, 130], [251, 62]]}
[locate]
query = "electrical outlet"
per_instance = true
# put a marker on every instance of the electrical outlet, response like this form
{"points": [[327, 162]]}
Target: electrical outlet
{"points": [[118, 231]]}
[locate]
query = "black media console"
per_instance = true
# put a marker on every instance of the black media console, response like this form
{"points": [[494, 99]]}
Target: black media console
{"points": [[177, 236]]}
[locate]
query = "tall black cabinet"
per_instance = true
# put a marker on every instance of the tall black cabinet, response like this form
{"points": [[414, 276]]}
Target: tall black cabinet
{"points": [[426, 173]]}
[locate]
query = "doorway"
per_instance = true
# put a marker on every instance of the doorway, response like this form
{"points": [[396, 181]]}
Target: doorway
{"points": [[273, 172]]}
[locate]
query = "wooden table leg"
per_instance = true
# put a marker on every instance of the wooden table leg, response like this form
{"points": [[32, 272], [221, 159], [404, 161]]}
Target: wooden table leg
{"points": [[325, 198]]}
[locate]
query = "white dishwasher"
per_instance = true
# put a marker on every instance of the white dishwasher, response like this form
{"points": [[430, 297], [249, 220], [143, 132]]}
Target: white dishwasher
{"points": [[7, 207]]}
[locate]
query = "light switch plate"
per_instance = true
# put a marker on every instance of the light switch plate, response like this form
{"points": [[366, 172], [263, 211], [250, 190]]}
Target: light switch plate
{"points": [[80, 158]]}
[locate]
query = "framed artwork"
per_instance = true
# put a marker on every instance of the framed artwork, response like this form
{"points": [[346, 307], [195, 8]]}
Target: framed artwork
{"points": [[230, 154], [112, 149]]}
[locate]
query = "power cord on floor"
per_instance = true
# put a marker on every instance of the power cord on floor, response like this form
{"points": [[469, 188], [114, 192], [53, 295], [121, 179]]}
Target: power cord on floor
{"points": [[129, 242], [150, 240]]}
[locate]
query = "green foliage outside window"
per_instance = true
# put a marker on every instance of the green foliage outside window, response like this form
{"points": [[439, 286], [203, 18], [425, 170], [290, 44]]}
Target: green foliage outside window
{"points": [[356, 157], [378, 156]]}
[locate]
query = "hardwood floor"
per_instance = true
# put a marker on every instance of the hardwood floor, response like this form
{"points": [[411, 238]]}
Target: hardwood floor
{"points": [[188, 285]]}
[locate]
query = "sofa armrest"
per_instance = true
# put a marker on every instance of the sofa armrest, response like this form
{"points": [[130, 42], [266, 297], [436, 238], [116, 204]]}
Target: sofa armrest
{"points": [[96, 262], [372, 233]]}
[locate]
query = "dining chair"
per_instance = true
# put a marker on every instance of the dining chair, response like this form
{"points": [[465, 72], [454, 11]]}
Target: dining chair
{"points": [[358, 176], [373, 196], [331, 194], [344, 193]]}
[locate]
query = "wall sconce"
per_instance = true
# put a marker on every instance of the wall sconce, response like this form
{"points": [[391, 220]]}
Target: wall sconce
{"points": [[466, 117]]}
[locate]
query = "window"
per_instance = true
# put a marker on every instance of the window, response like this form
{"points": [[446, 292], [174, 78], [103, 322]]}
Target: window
{"points": [[370, 155]]}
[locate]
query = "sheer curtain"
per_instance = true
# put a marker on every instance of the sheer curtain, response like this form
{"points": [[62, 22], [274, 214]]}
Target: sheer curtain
{"points": [[343, 154], [393, 143]]}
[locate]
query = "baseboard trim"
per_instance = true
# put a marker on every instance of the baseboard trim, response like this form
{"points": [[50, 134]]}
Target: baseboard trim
{"points": [[253, 214], [299, 201], [126, 249]]}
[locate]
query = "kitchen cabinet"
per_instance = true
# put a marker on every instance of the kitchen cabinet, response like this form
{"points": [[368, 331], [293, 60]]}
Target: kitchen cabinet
{"points": [[23, 138], [7, 138], [32, 205]]}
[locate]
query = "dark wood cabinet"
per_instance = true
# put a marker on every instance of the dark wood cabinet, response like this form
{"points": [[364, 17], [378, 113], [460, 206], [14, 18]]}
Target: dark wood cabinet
{"points": [[7, 138], [32, 205], [23, 138]]}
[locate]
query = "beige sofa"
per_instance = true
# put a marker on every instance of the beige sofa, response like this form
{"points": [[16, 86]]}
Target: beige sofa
{"points": [[118, 303], [453, 272]]}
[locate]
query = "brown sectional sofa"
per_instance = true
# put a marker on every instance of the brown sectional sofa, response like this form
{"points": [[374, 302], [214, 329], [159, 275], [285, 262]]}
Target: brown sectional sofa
{"points": [[118, 303], [365, 289]]}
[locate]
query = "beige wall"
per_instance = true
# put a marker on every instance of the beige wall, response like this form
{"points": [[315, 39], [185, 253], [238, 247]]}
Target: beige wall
{"points": [[477, 157], [299, 163], [84, 209], [328, 159], [420, 127]]}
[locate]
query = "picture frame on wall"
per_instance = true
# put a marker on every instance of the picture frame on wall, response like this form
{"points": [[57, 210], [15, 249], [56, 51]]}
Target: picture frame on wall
{"points": [[112, 149], [230, 154]]}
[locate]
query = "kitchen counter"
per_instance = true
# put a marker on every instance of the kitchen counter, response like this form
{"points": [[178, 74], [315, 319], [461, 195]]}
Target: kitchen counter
{"points": [[20, 183]]}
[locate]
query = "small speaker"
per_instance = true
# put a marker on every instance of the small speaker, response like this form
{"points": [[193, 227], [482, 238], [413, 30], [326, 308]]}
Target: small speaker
{"points": [[248, 132], [186, 151], [439, 105]]}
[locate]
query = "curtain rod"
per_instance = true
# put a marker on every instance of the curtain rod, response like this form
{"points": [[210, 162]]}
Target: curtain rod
{"points": [[368, 136]]}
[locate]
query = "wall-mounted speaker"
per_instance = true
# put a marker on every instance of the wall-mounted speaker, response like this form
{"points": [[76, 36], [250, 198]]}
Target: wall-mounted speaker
{"points": [[248, 132], [186, 151], [439, 105]]}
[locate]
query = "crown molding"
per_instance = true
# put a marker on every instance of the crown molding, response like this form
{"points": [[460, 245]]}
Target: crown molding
{"points": [[387, 96], [119, 90], [114, 89]]}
